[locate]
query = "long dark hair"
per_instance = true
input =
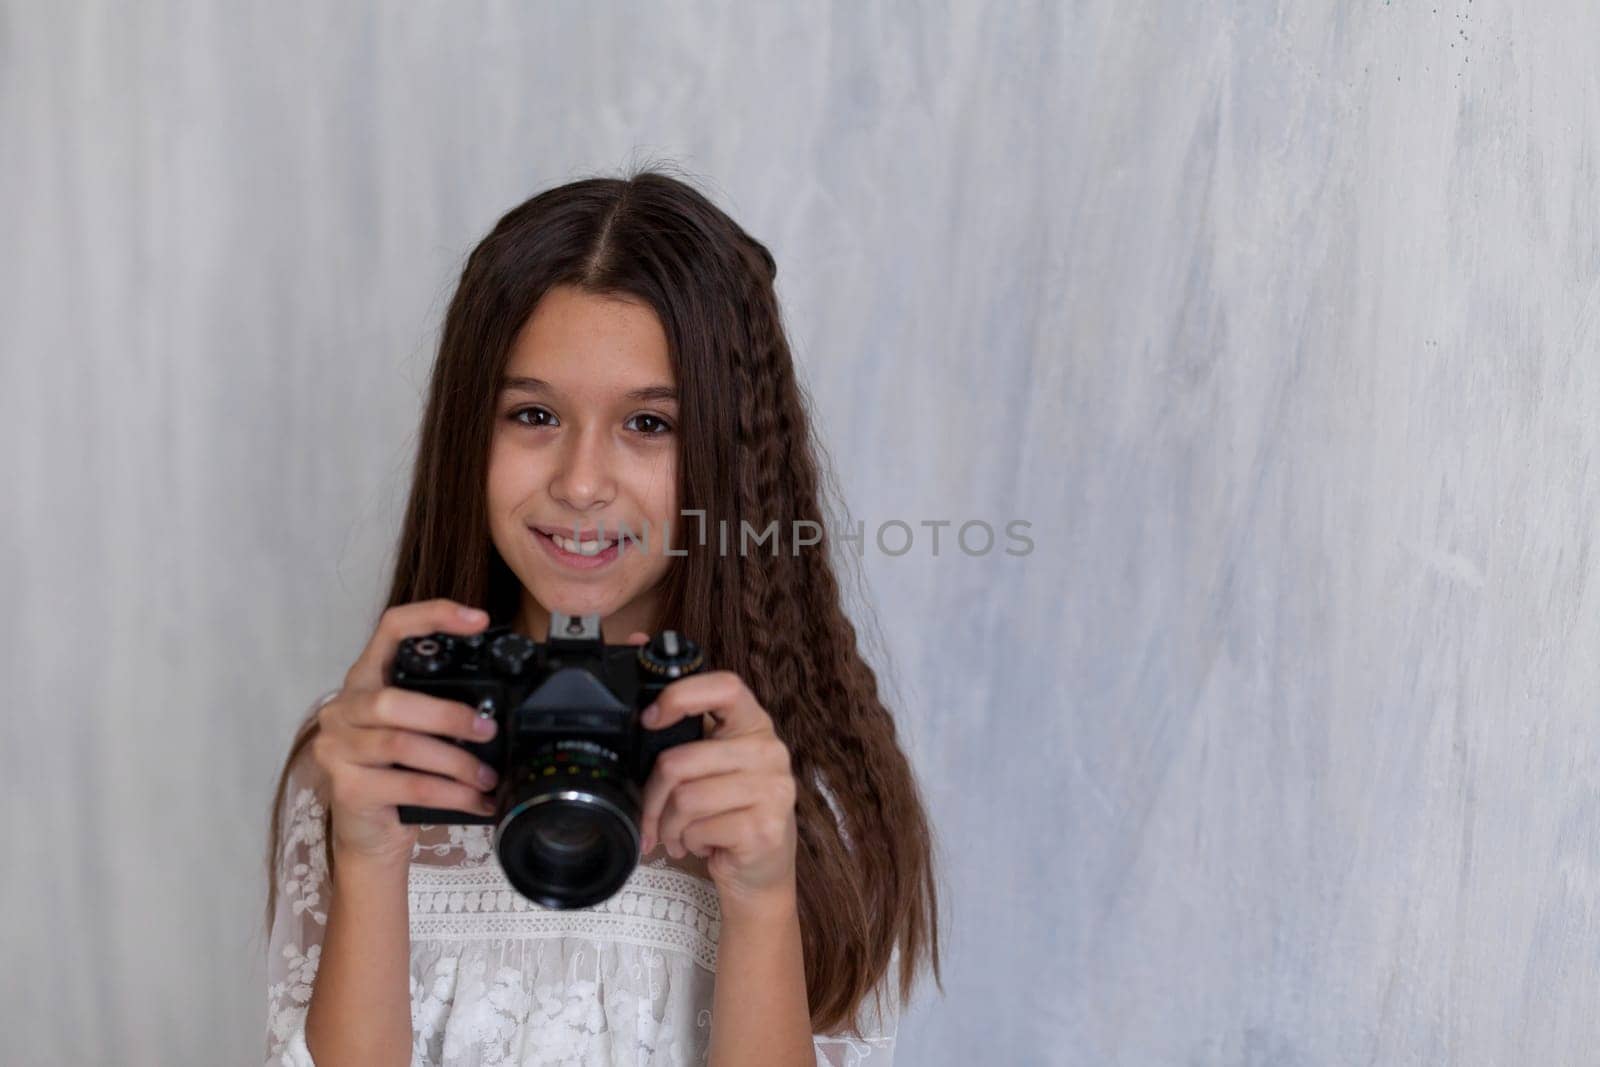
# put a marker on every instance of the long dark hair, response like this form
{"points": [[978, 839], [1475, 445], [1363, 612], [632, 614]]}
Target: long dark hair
{"points": [[865, 872]]}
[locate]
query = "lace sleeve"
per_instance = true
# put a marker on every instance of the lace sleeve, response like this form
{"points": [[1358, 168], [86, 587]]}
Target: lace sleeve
{"points": [[300, 916], [880, 1019]]}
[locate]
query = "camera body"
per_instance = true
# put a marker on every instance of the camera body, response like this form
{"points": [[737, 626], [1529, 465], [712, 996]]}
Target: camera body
{"points": [[570, 750]]}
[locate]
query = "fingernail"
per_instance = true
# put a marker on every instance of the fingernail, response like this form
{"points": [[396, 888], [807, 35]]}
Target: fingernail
{"points": [[651, 714], [646, 845], [471, 614], [487, 777], [484, 725]]}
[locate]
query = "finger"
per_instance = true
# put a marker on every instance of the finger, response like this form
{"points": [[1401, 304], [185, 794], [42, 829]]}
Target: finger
{"points": [[701, 759], [720, 694], [407, 709], [371, 669], [700, 798], [366, 788], [384, 747], [746, 832], [638, 638]]}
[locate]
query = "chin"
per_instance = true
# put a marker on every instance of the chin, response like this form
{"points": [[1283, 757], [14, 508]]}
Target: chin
{"points": [[557, 596], [574, 598]]}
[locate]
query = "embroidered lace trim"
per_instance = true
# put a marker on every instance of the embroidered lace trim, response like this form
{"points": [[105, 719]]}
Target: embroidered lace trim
{"points": [[658, 907]]}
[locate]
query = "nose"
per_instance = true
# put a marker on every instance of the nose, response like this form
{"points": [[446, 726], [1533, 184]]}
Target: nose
{"points": [[583, 478]]}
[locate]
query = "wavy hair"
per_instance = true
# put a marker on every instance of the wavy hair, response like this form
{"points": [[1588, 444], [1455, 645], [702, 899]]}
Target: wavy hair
{"points": [[865, 864]]}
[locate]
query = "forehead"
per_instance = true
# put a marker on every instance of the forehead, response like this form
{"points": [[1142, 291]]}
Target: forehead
{"points": [[575, 340]]}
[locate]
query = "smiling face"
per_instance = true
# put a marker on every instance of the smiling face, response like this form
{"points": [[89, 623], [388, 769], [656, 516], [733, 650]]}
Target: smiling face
{"points": [[585, 440]]}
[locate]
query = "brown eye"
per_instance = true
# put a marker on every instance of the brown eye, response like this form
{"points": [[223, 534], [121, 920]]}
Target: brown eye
{"points": [[516, 416], [652, 425]]}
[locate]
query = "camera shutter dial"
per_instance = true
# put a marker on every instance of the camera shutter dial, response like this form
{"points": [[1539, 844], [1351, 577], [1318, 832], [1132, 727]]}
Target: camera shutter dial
{"points": [[669, 655]]}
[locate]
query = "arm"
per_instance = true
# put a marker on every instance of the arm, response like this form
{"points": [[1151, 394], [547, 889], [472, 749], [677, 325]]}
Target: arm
{"points": [[299, 920], [372, 752], [731, 798], [338, 958], [360, 1011], [759, 1010]]}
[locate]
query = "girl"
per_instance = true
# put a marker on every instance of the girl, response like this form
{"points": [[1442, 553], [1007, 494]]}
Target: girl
{"points": [[613, 358]]}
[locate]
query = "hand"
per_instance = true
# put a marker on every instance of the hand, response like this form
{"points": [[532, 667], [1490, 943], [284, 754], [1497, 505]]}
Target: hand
{"points": [[728, 798], [371, 732]]}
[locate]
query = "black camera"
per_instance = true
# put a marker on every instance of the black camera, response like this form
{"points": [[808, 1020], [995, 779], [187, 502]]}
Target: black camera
{"points": [[570, 750]]}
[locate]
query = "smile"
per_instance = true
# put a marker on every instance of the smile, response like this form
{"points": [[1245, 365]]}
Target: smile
{"points": [[589, 554]]}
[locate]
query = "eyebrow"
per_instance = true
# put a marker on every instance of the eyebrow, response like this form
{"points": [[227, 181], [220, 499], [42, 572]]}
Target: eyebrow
{"points": [[539, 385]]}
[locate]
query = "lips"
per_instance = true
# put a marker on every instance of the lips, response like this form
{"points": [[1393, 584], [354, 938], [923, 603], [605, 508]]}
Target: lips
{"points": [[595, 551]]}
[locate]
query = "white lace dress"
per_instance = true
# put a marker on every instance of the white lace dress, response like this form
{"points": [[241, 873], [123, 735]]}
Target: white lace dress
{"points": [[498, 980]]}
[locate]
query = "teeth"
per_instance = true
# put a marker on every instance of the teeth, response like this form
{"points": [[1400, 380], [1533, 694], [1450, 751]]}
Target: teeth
{"points": [[580, 548]]}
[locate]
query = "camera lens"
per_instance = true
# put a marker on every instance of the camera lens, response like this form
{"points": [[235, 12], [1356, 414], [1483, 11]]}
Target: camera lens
{"points": [[566, 829], [570, 834]]}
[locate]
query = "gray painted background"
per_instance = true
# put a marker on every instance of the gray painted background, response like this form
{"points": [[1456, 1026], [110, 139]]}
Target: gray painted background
{"points": [[1279, 322]]}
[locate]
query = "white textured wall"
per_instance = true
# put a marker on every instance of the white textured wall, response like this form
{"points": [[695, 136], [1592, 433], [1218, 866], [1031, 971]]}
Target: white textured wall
{"points": [[1279, 322]]}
